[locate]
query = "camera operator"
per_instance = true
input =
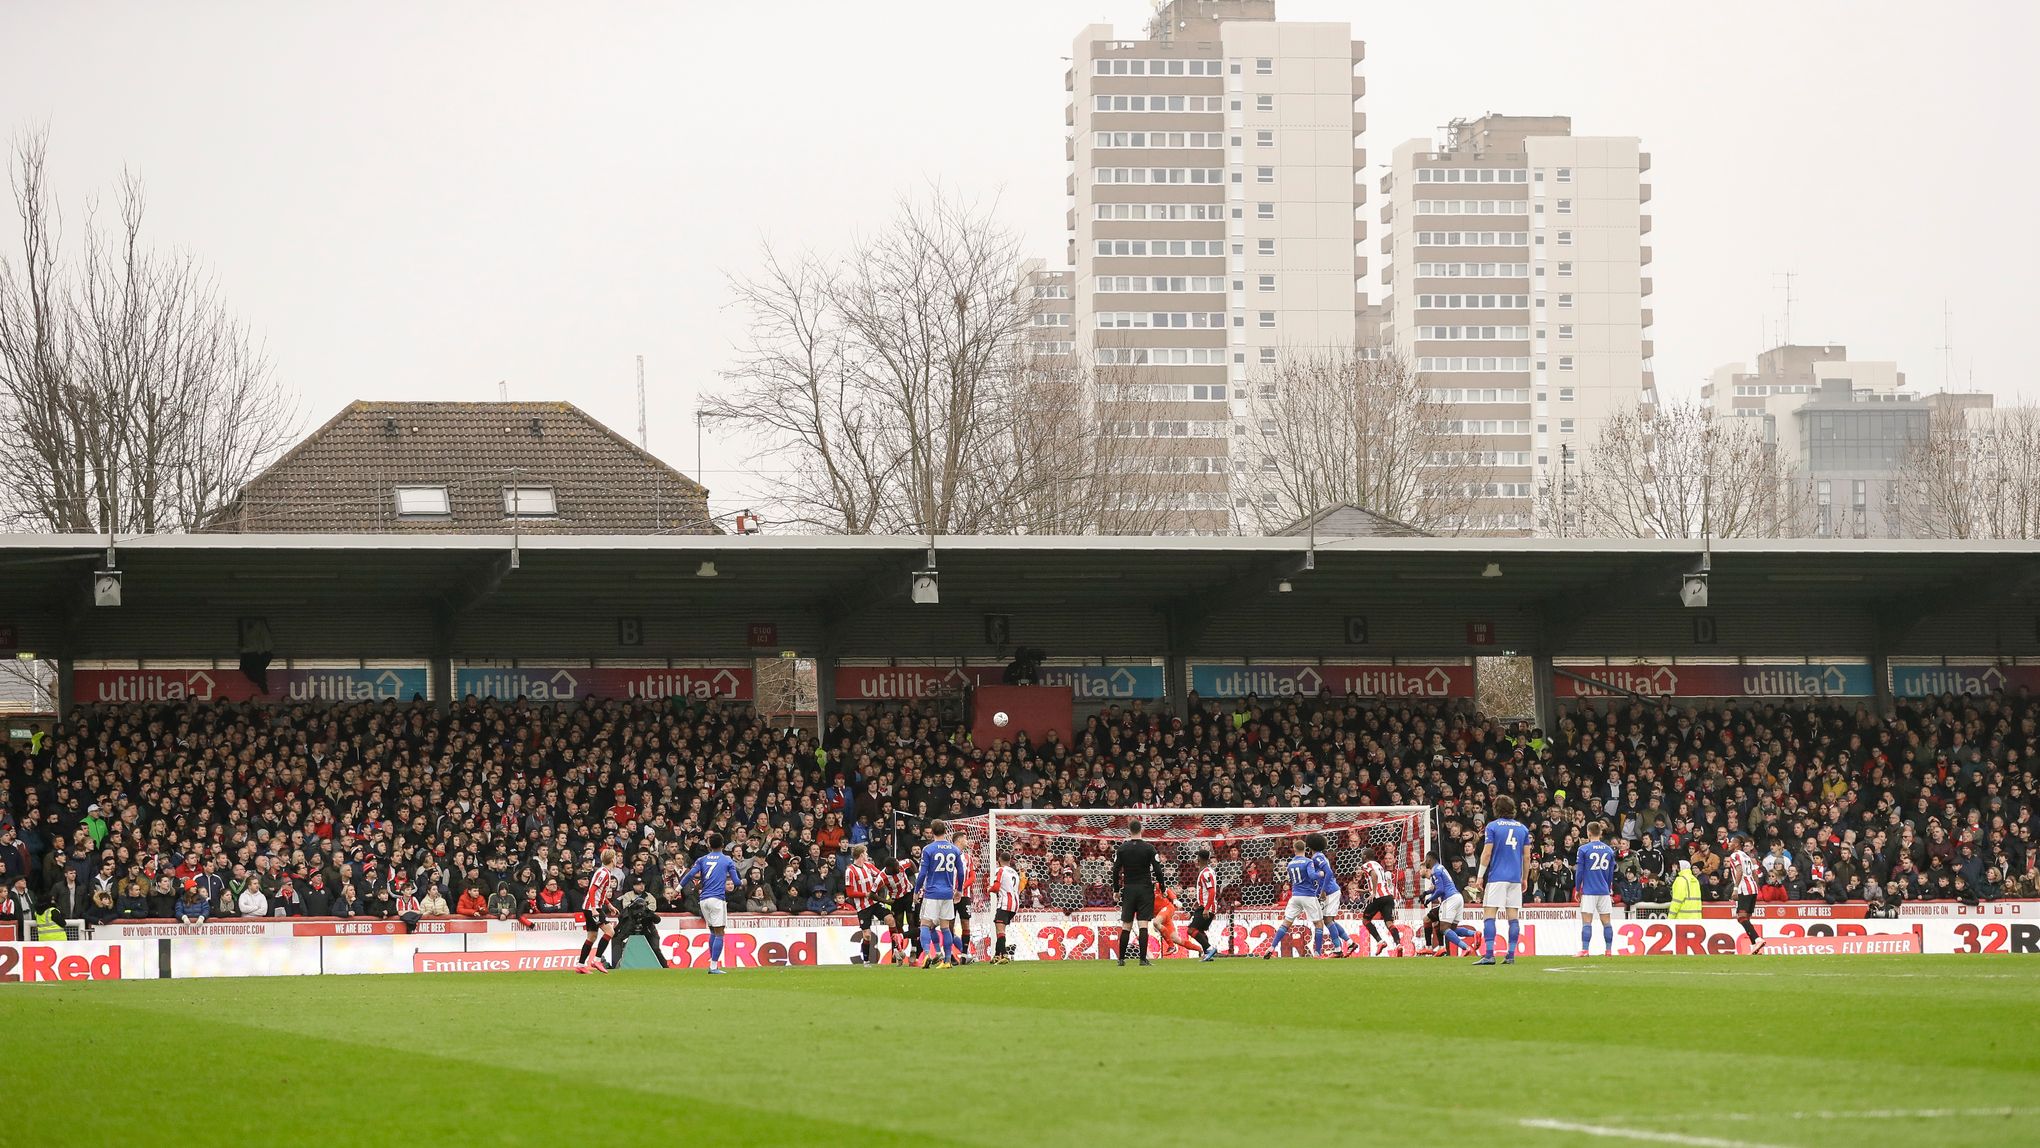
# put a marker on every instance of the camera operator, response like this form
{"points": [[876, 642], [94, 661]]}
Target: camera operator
{"points": [[637, 917]]}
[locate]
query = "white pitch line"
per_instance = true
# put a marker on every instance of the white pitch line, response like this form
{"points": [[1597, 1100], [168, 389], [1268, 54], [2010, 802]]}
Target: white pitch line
{"points": [[1614, 1133], [1862, 1114]]}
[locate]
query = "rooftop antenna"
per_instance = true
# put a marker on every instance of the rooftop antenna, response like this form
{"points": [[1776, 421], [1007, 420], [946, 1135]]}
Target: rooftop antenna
{"points": [[1947, 346], [1785, 335], [642, 437]]}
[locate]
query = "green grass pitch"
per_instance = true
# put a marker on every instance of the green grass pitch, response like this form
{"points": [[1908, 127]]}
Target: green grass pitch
{"points": [[1700, 1051]]}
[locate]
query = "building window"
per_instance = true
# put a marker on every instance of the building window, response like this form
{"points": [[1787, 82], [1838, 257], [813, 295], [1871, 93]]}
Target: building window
{"points": [[1264, 103], [423, 502], [1565, 394], [1264, 138], [1265, 247], [1267, 318], [1565, 330], [1267, 356], [1564, 300], [1267, 282], [529, 502], [1565, 362], [1565, 426], [1264, 66], [1565, 175], [1565, 268], [1565, 239], [1565, 207], [1264, 211], [1268, 426], [1264, 175]]}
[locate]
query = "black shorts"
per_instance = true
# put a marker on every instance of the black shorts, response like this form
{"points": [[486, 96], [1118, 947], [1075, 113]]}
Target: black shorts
{"points": [[873, 913], [903, 911], [1003, 916], [1746, 904], [1379, 907], [963, 908], [1137, 903], [1200, 922], [594, 919]]}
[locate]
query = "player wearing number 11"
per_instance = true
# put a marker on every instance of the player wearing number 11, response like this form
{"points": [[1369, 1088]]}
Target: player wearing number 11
{"points": [[1501, 876]]}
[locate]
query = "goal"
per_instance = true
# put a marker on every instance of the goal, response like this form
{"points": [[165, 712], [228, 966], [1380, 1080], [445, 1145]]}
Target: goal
{"points": [[1064, 856]]}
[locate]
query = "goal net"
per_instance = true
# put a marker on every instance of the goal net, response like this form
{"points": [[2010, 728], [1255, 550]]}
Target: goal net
{"points": [[1064, 856]]}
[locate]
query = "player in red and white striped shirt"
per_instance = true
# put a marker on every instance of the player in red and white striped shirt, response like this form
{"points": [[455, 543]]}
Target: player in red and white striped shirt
{"points": [[1005, 903], [597, 918], [864, 883], [967, 882], [1207, 904], [900, 888], [1744, 870], [1379, 886]]}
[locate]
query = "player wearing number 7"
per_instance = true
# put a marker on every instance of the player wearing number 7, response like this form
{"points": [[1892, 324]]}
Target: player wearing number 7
{"points": [[1593, 881], [1501, 877]]}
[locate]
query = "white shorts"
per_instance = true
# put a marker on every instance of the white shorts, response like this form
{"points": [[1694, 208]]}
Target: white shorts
{"points": [[937, 912], [1451, 909], [1502, 895], [1304, 907], [715, 912], [1331, 905], [1596, 905]]}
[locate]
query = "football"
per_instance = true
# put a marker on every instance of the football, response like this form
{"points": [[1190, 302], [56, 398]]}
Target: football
{"points": [[1000, 719]]}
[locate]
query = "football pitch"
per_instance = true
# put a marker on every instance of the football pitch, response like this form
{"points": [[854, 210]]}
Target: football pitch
{"points": [[1697, 1051]]}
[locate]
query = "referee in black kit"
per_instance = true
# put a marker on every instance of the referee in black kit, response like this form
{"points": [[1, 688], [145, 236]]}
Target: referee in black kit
{"points": [[1136, 870]]}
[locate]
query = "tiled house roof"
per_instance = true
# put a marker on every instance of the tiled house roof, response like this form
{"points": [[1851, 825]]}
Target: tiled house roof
{"points": [[345, 477]]}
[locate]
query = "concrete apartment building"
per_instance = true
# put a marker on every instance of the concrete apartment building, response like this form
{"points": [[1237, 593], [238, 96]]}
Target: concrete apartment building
{"points": [[1214, 222], [1843, 426], [1519, 288]]}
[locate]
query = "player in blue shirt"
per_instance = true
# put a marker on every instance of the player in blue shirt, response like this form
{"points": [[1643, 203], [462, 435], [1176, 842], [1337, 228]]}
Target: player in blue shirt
{"points": [[1450, 907], [1594, 884], [1305, 903], [718, 876], [1328, 890], [935, 889], [1501, 877]]}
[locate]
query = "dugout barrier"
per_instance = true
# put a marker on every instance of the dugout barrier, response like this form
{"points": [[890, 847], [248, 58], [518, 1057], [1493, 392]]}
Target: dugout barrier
{"points": [[314, 948]]}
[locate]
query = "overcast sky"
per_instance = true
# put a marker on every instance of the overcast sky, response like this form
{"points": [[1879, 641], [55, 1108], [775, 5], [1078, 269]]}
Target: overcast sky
{"points": [[417, 200]]}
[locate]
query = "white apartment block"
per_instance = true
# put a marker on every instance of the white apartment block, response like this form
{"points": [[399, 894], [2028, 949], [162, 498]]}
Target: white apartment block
{"points": [[1047, 293], [1845, 430], [1519, 289], [1215, 222]]}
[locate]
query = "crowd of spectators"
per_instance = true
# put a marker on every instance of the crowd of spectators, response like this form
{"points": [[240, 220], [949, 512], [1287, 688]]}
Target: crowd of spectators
{"points": [[499, 809]]}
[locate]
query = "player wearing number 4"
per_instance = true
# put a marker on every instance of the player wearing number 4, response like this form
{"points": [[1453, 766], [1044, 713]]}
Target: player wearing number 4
{"points": [[1501, 877], [1593, 882]]}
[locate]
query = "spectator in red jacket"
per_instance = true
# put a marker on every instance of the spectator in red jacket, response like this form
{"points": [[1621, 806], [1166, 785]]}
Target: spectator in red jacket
{"points": [[471, 903]]}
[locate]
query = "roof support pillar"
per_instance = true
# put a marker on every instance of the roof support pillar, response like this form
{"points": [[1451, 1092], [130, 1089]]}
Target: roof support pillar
{"points": [[1544, 691], [1880, 683]]}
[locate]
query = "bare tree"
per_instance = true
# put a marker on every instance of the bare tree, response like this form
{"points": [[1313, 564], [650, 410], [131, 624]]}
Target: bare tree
{"points": [[888, 378], [1667, 471], [899, 386], [131, 400], [1974, 474], [1354, 426]]}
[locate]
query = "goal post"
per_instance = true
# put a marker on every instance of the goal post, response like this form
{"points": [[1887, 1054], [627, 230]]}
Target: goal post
{"points": [[1064, 856]]}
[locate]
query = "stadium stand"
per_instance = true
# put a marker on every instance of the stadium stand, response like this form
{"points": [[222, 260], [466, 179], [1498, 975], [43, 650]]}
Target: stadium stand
{"points": [[179, 810]]}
